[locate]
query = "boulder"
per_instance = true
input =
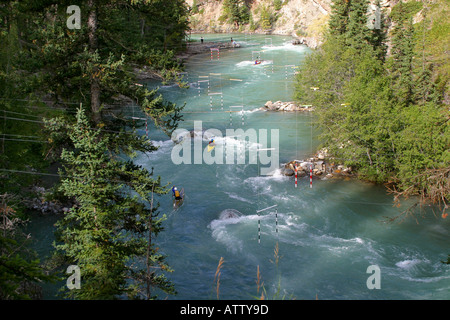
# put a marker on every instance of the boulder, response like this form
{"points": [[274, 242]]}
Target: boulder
{"points": [[269, 105], [287, 172], [284, 106]]}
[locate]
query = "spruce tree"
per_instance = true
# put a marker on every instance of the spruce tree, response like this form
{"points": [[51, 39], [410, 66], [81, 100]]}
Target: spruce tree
{"points": [[109, 226], [378, 34], [94, 66], [337, 24], [402, 61], [357, 34], [383, 115]]}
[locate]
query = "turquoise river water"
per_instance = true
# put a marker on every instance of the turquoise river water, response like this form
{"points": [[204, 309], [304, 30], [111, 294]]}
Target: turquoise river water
{"points": [[327, 236]]}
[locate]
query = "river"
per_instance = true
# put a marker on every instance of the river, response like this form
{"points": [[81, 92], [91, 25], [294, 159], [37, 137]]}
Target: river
{"points": [[327, 237]]}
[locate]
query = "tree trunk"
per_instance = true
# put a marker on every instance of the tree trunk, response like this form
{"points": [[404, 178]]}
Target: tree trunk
{"points": [[93, 46], [149, 245], [368, 155]]}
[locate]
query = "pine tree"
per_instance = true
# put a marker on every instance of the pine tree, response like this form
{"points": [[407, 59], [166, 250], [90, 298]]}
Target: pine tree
{"points": [[358, 34], [349, 24], [402, 61], [383, 115], [236, 11], [337, 24], [94, 66], [425, 89], [113, 221], [231, 9], [378, 35]]}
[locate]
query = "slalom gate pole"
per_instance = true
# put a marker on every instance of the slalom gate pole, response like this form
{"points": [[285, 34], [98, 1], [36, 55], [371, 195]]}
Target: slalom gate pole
{"points": [[259, 229], [146, 127], [296, 169], [276, 221]]}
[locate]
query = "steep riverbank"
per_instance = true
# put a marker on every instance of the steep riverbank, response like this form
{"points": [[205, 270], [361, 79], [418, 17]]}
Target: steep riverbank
{"points": [[302, 19]]}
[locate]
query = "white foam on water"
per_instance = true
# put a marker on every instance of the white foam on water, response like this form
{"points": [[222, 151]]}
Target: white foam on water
{"points": [[162, 144], [164, 148], [219, 229], [285, 46], [250, 111], [425, 279], [420, 270], [251, 63], [284, 197], [262, 183], [276, 175], [235, 142], [407, 264], [237, 197]]}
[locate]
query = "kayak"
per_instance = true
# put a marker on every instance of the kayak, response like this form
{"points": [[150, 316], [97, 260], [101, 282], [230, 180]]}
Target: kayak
{"points": [[179, 202]]}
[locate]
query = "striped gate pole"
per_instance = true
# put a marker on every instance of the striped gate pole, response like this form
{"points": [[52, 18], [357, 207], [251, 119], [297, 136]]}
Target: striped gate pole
{"points": [[310, 175], [146, 127], [146, 123], [296, 169], [241, 107], [201, 81], [218, 53], [259, 229], [259, 220], [276, 221]]}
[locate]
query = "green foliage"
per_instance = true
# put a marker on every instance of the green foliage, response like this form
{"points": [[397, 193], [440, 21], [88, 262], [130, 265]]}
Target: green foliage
{"points": [[194, 9], [20, 270], [46, 71], [252, 24], [358, 34], [277, 4], [236, 11], [267, 17], [339, 17], [405, 10], [402, 61], [109, 226], [381, 115]]}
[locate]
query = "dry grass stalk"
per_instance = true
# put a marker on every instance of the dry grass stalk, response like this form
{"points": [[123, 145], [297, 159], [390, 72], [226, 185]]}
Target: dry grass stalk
{"points": [[276, 254], [259, 283], [217, 276]]}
